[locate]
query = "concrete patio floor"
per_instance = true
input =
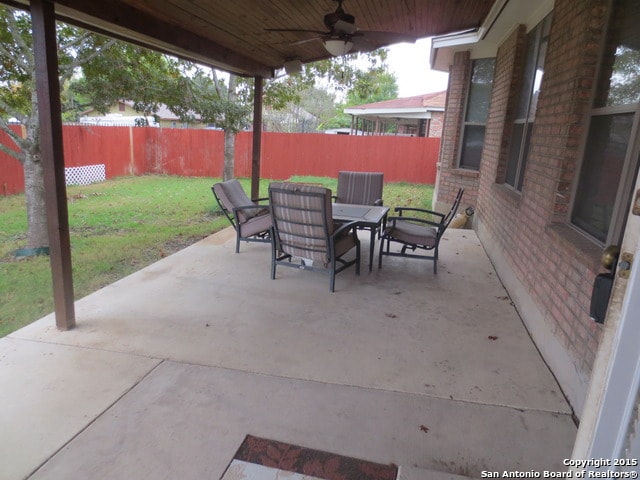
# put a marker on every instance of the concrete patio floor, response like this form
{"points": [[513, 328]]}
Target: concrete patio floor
{"points": [[169, 369]]}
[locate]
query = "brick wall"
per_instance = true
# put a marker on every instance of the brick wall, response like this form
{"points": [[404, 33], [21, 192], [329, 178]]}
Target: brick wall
{"points": [[435, 124], [553, 263]]}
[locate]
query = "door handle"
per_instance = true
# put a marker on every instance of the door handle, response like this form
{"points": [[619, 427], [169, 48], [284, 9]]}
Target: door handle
{"points": [[603, 284]]}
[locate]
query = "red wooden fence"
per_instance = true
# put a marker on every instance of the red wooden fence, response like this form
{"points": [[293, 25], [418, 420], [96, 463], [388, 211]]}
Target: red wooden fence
{"points": [[199, 153], [11, 174]]}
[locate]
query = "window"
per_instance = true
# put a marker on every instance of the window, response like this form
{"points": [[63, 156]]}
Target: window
{"points": [[475, 118], [610, 161], [537, 41]]}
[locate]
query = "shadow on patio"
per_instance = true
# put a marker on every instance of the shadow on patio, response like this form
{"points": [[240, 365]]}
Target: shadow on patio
{"points": [[171, 367]]}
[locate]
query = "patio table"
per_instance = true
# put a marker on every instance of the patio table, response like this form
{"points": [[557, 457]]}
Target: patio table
{"points": [[366, 216]]}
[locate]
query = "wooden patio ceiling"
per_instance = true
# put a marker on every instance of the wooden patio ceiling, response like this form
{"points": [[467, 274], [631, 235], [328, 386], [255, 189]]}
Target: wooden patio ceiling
{"points": [[231, 34]]}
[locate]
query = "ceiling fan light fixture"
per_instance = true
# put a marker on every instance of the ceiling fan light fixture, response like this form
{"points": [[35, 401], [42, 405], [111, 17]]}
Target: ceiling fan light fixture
{"points": [[338, 47]]}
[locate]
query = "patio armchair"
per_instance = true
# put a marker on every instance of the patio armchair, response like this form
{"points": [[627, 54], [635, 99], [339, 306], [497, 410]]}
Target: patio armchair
{"points": [[415, 232], [303, 228], [361, 188], [251, 221]]}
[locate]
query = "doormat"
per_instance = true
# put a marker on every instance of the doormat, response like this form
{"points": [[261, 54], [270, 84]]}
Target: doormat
{"points": [[263, 459]]}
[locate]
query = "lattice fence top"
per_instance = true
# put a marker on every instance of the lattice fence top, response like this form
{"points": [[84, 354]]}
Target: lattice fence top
{"points": [[85, 175]]}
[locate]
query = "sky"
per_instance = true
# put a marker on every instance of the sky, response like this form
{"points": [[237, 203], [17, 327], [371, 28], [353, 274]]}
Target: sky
{"points": [[410, 63]]}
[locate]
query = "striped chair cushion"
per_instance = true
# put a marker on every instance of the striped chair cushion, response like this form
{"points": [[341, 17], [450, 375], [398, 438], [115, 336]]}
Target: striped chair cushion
{"points": [[304, 219], [362, 188], [413, 234], [232, 195]]}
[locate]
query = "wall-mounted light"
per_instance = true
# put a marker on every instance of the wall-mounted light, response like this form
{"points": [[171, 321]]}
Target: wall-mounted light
{"points": [[338, 47]]}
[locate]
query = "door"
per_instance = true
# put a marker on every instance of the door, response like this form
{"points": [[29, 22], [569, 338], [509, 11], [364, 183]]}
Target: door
{"points": [[610, 426]]}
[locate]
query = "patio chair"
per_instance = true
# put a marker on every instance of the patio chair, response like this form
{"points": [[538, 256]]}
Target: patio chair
{"points": [[414, 232], [250, 220], [362, 188], [303, 228]]}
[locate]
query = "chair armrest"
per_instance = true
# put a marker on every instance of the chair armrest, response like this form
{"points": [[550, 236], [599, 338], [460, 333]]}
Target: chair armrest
{"points": [[412, 219], [344, 227], [249, 207], [401, 210], [378, 202]]}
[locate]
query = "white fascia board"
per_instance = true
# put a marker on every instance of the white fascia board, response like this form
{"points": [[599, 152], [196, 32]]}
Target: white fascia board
{"points": [[395, 116], [455, 40], [386, 111], [464, 38]]}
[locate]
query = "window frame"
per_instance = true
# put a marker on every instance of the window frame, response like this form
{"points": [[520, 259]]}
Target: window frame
{"points": [[466, 123], [631, 163], [543, 34]]}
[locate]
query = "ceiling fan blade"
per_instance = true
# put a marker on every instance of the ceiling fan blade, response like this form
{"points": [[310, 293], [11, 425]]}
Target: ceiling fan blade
{"points": [[306, 40], [361, 45]]}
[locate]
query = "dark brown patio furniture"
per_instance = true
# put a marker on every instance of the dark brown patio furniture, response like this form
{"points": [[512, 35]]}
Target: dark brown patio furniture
{"points": [[360, 188], [251, 221], [369, 217], [415, 232], [303, 228]]}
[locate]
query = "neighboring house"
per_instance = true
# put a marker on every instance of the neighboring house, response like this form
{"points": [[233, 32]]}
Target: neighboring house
{"points": [[418, 116], [164, 117], [293, 119], [119, 120], [542, 131]]}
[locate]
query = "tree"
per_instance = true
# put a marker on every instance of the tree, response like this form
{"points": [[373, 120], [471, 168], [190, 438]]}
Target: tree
{"points": [[373, 86], [113, 70], [129, 72], [370, 85], [18, 100], [190, 90], [229, 105], [315, 107], [625, 78]]}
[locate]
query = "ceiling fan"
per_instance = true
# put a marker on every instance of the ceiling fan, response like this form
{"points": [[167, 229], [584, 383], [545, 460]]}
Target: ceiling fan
{"points": [[342, 36]]}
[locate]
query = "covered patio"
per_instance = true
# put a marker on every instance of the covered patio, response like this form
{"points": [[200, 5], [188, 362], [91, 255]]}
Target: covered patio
{"points": [[170, 368]]}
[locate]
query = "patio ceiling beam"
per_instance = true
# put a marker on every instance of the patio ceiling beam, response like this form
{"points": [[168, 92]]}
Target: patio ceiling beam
{"points": [[52, 158]]}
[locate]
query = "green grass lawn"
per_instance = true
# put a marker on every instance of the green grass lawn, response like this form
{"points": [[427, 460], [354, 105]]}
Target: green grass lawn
{"points": [[120, 226]]}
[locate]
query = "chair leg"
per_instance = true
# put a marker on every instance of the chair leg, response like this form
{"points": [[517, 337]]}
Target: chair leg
{"points": [[273, 261], [380, 253], [371, 248], [358, 259], [332, 275], [237, 242], [435, 261]]}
